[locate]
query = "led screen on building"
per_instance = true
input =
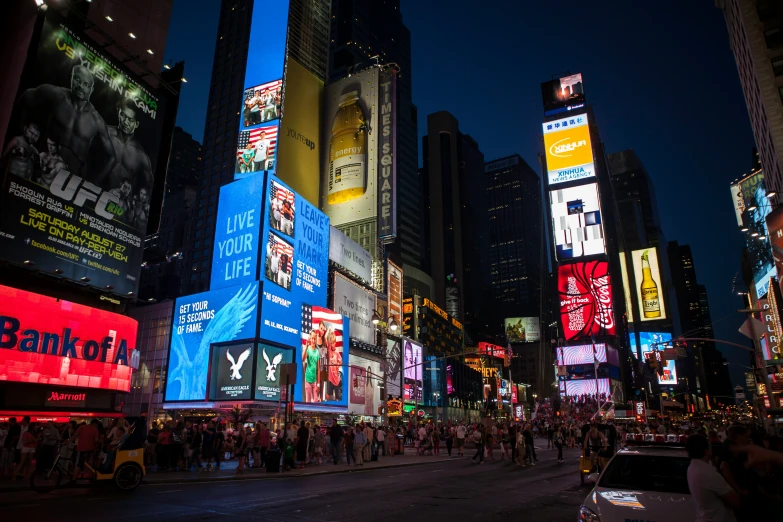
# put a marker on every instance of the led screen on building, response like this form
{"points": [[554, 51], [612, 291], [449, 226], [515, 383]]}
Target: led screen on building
{"points": [[413, 370], [563, 94], [522, 329], [569, 152], [231, 376], [262, 104], [647, 340], [582, 354], [649, 284], [349, 181], [365, 386], [79, 164], [626, 288], [584, 387], [586, 307], [393, 367], [268, 361], [44, 340], [394, 291], [358, 304], [199, 321], [577, 224], [237, 228], [324, 356], [295, 243]]}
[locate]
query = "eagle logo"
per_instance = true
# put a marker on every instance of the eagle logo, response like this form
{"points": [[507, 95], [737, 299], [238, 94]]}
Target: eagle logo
{"points": [[237, 365], [271, 367]]}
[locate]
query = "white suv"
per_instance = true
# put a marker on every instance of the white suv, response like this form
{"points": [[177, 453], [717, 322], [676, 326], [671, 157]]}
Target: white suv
{"points": [[642, 483]]}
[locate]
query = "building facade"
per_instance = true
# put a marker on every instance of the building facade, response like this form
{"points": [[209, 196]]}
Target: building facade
{"points": [[755, 30]]}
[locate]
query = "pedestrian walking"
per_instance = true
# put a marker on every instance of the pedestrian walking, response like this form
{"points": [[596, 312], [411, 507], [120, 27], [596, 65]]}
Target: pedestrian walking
{"points": [[559, 439], [348, 440], [449, 435], [335, 439], [461, 433], [359, 442], [478, 440]]}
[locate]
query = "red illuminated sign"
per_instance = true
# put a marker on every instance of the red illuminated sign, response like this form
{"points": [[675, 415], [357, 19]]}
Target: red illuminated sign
{"points": [[586, 308], [63, 400], [492, 350], [640, 411], [44, 340]]}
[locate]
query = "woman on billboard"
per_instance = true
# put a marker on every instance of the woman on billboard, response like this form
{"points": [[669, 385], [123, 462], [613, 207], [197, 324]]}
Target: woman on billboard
{"points": [[368, 391], [310, 363], [335, 358]]}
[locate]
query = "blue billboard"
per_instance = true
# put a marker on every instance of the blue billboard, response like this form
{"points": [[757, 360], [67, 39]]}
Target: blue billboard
{"points": [[235, 252], [295, 237], [266, 50], [199, 321], [648, 341]]}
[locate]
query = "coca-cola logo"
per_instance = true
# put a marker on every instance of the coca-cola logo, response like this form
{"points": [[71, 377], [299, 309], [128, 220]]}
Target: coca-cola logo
{"points": [[586, 300], [602, 291]]}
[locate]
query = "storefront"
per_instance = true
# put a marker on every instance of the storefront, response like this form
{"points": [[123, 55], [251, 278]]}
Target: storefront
{"points": [[62, 360]]}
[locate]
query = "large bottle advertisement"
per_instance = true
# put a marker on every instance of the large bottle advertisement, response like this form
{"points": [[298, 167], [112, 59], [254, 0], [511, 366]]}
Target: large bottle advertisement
{"points": [[78, 163], [350, 156]]}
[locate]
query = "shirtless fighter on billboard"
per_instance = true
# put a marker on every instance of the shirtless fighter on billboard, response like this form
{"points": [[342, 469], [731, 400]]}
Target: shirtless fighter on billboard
{"points": [[73, 122], [133, 163]]}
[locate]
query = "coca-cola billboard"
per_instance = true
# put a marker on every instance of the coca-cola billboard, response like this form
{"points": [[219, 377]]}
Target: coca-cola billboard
{"points": [[585, 291]]}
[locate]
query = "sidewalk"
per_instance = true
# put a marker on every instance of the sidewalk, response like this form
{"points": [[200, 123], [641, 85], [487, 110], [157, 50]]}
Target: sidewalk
{"points": [[228, 471]]}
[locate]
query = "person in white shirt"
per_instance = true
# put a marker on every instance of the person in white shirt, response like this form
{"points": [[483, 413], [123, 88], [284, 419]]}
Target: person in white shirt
{"points": [[712, 496], [461, 433], [274, 266], [380, 435]]}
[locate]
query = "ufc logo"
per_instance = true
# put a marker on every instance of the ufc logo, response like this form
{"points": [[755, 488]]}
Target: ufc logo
{"points": [[75, 189]]}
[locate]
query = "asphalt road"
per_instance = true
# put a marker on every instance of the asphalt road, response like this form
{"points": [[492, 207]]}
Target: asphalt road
{"points": [[490, 491]]}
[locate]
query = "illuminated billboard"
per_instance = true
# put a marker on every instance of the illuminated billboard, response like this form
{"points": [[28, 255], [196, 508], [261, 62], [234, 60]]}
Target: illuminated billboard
{"points": [[262, 103], [522, 329], [201, 320], [563, 94], [393, 367], [295, 242], [569, 151], [299, 151], [349, 182], [237, 228], [770, 316], [626, 288], [394, 290], [365, 386], [584, 387], [577, 225], [649, 285], [50, 341], [268, 361], [413, 370], [231, 376], [80, 164], [324, 356], [256, 149], [647, 339], [582, 354], [358, 304], [586, 307]]}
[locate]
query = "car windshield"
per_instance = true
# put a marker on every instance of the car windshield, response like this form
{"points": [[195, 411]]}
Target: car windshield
{"points": [[664, 474]]}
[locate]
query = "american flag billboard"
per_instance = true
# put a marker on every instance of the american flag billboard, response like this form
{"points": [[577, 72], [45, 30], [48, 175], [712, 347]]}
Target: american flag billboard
{"points": [[256, 149], [322, 355], [282, 208], [279, 261]]}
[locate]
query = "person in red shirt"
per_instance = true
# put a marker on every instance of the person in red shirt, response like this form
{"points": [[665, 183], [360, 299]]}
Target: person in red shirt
{"points": [[86, 437]]}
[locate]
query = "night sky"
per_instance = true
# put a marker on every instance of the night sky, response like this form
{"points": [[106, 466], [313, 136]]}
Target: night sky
{"points": [[662, 80]]}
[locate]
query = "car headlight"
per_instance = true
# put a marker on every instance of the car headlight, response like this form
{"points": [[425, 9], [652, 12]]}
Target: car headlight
{"points": [[586, 515]]}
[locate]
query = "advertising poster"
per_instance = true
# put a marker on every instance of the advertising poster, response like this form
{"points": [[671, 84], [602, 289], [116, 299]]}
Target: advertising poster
{"points": [[324, 357], [44, 340], [78, 164], [577, 225], [562, 94], [649, 285], [569, 152], [582, 354], [586, 307], [358, 305], [365, 386], [394, 291], [387, 156], [349, 254], [775, 226], [262, 103], [268, 361], [413, 370], [237, 229], [522, 329], [393, 368], [584, 387], [295, 265], [739, 203], [647, 339], [200, 320], [256, 150], [231, 377], [350, 154], [626, 288], [299, 154], [770, 317]]}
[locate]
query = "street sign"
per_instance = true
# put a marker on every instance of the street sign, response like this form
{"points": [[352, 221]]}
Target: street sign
{"points": [[752, 326], [750, 381]]}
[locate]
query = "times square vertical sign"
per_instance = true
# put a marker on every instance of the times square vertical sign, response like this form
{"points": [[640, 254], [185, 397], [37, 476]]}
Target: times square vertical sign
{"points": [[387, 157], [77, 164]]}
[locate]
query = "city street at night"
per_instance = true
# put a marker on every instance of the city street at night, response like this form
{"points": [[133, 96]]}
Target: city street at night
{"points": [[451, 488]]}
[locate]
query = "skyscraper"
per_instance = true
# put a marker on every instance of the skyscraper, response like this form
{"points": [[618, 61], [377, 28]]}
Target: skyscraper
{"points": [[756, 38], [363, 33], [295, 33], [515, 228], [455, 197], [164, 272]]}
